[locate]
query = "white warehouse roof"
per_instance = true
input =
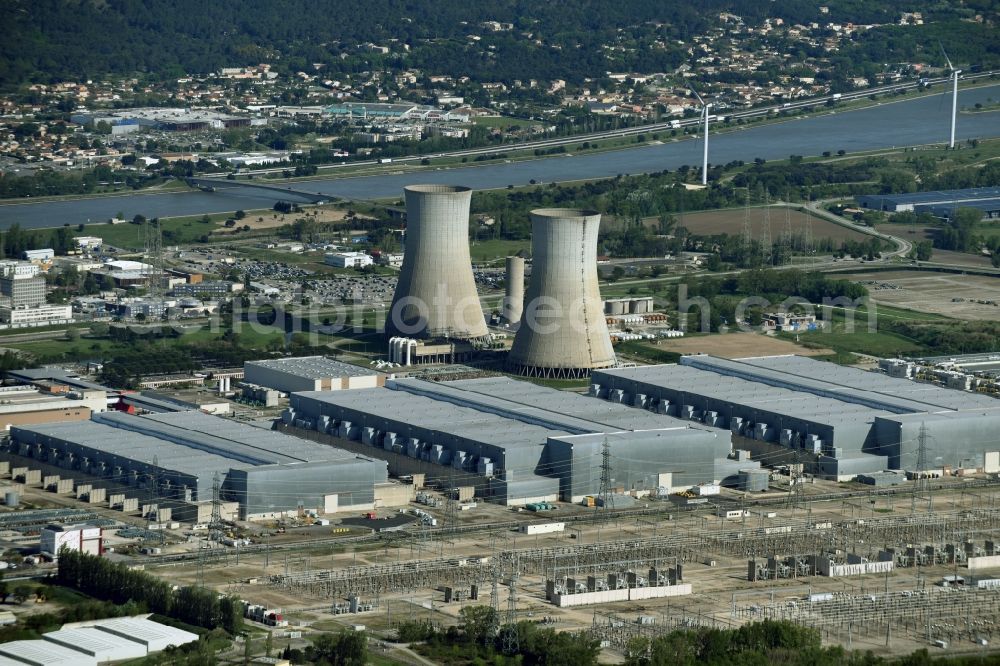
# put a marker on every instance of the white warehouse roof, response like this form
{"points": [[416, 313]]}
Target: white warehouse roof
{"points": [[44, 653], [153, 635], [96, 643], [312, 367]]}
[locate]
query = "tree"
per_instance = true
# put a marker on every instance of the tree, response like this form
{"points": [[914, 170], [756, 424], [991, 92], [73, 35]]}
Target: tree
{"points": [[72, 334], [348, 648], [477, 622]]}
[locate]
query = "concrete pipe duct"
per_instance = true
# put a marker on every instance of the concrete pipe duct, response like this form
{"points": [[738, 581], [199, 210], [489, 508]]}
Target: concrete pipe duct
{"points": [[436, 294]]}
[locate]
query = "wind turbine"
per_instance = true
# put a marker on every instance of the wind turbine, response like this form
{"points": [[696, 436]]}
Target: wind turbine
{"points": [[704, 162], [954, 94]]}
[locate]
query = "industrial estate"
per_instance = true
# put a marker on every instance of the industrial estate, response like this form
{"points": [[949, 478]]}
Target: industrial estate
{"points": [[461, 399], [635, 499]]}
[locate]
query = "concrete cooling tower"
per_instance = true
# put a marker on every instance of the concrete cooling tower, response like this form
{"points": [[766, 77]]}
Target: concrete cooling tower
{"points": [[513, 299], [563, 332], [436, 293]]}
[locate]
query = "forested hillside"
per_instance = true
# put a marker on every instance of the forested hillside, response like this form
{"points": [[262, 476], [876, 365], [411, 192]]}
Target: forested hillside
{"points": [[51, 40]]}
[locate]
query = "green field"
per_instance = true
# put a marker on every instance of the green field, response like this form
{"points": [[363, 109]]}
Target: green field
{"points": [[484, 251], [504, 122], [176, 231], [86, 348]]}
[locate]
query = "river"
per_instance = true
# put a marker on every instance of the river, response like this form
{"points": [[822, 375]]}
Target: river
{"points": [[908, 122]]}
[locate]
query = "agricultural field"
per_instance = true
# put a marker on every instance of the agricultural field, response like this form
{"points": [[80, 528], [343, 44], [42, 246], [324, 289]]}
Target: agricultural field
{"points": [[727, 345], [945, 294], [730, 221]]}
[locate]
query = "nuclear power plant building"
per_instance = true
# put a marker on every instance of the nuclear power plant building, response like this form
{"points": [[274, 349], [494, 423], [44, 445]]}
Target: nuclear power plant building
{"points": [[838, 421], [563, 332], [514, 441], [268, 473], [436, 293]]}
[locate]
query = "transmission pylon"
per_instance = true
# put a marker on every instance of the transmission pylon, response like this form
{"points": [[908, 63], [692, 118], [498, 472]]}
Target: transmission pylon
{"points": [[765, 231], [605, 494], [786, 233], [921, 485], [807, 239], [153, 259], [215, 526], [450, 508], [511, 641], [747, 231], [495, 597], [794, 480], [154, 490]]}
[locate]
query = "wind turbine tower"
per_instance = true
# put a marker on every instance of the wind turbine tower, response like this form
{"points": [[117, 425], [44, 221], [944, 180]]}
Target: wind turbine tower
{"points": [[704, 161], [954, 96]]}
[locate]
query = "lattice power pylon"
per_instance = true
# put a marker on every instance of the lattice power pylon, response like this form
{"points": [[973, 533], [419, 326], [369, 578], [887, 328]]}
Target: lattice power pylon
{"points": [[605, 494]]}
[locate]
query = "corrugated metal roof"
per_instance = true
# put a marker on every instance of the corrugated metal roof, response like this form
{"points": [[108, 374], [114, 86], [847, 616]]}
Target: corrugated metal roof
{"points": [[312, 367], [572, 409], [137, 446], [444, 417], [94, 641], [920, 396], [738, 391], [191, 443], [939, 196], [145, 631], [497, 411], [44, 652]]}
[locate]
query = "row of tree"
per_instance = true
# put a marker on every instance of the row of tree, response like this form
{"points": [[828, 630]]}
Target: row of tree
{"points": [[481, 639], [99, 577]]}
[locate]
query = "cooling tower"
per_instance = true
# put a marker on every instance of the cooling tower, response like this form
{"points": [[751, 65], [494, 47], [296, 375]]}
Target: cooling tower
{"points": [[436, 293], [513, 300], [563, 332]]}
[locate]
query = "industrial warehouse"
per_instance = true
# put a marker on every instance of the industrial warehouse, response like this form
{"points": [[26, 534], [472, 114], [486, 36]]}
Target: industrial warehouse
{"points": [[850, 422], [940, 204], [180, 455], [309, 373], [515, 442]]}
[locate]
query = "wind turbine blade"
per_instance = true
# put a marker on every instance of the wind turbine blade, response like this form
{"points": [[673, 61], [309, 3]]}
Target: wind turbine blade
{"points": [[695, 93]]}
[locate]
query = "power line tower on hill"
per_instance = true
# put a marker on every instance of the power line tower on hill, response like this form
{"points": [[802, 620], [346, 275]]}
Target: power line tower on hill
{"points": [[605, 495]]}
